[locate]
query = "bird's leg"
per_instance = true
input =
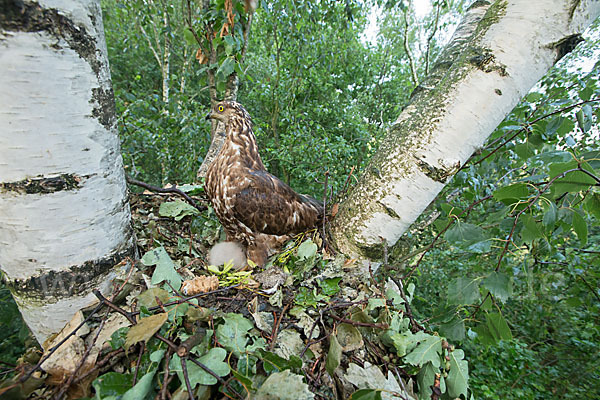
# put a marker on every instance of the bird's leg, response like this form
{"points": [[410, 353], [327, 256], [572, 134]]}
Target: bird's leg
{"points": [[258, 253]]}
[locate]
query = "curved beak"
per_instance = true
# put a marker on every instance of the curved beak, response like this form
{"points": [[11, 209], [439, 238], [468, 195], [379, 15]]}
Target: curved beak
{"points": [[208, 116]]}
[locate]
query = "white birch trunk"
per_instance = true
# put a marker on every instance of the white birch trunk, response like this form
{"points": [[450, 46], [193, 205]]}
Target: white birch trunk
{"points": [[64, 214], [166, 57], [500, 50]]}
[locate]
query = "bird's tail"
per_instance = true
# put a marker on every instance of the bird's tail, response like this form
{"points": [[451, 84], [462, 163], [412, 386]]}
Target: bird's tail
{"points": [[316, 204]]}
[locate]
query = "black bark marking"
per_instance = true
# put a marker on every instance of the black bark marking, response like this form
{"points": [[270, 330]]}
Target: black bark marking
{"points": [[105, 112], [44, 185], [435, 173], [485, 60], [566, 45], [19, 16], [75, 280], [389, 211]]}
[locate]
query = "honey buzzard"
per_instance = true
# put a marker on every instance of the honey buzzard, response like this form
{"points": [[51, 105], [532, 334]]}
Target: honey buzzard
{"points": [[254, 207]]}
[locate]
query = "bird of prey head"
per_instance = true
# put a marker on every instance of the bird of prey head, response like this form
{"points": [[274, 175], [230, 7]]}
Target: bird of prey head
{"points": [[225, 110]]}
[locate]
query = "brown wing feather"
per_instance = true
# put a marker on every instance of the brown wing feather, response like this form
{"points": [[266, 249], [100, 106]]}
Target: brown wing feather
{"points": [[268, 205]]}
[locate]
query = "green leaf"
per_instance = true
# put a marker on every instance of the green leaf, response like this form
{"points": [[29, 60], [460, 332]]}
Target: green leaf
{"points": [[553, 125], [463, 291], [592, 204], [148, 297], [366, 394], [428, 350], [464, 235], [531, 229], [512, 193], [580, 228], [573, 181], [192, 190], [142, 388], [425, 379], [403, 342], [330, 286], [177, 209], [586, 93], [334, 355], [213, 360], [230, 45], [457, 381], [112, 384], [524, 150], [306, 297], [232, 334], [226, 67], [498, 326], [189, 37], [284, 386], [275, 363], [550, 216], [454, 329], [307, 250], [484, 335], [554, 156], [145, 328], [165, 269], [499, 284]]}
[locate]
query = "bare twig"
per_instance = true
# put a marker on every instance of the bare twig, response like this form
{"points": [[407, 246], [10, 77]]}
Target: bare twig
{"points": [[172, 189], [276, 327], [166, 380], [592, 290], [139, 361], [186, 378], [110, 359], [52, 350]]}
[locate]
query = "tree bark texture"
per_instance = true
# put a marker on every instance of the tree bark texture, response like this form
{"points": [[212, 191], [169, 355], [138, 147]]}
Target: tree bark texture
{"points": [[498, 52], [64, 214]]}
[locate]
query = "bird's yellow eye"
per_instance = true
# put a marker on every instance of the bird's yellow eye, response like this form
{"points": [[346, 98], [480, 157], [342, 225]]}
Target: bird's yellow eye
{"points": [[220, 108]]}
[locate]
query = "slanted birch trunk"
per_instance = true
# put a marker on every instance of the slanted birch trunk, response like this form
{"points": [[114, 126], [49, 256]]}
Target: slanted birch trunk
{"points": [[64, 213], [499, 51]]}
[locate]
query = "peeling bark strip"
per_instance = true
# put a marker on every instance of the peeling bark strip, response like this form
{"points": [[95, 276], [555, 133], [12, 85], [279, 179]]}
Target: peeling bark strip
{"points": [[74, 280], [497, 53], [42, 185]]}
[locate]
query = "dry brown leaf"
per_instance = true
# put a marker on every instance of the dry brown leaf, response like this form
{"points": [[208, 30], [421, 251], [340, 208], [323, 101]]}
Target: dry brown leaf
{"points": [[144, 329], [65, 360], [350, 262], [200, 284], [202, 59], [335, 209]]}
